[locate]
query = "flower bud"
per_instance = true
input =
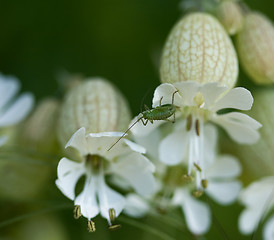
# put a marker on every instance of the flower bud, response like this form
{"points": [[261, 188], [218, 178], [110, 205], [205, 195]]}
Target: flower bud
{"points": [[230, 15], [255, 45], [257, 159], [39, 130], [96, 105], [199, 49]]}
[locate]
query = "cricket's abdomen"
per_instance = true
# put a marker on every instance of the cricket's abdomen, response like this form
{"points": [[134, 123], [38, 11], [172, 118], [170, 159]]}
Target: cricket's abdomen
{"points": [[160, 113]]}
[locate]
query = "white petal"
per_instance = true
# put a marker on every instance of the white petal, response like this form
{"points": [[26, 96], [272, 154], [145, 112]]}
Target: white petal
{"points": [[225, 166], [210, 144], [240, 127], [78, 141], [108, 199], [173, 148], [224, 192], [106, 134], [165, 92], [187, 91], [211, 92], [268, 231], [258, 194], [249, 220], [135, 147], [197, 215], [17, 110], [137, 170], [150, 142], [237, 98], [9, 86], [136, 206], [87, 198], [3, 140], [68, 173], [179, 196], [100, 143], [142, 130]]}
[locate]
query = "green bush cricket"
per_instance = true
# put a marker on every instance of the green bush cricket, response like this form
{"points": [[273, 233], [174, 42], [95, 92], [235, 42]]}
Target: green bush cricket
{"points": [[161, 112]]}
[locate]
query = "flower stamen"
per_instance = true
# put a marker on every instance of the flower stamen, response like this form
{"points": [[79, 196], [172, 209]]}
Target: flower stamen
{"points": [[189, 122], [114, 227], [197, 127], [197, 167], [112, 215], [198, 193], [77, 212], [188, 178], [91, 226], [204, 183]]}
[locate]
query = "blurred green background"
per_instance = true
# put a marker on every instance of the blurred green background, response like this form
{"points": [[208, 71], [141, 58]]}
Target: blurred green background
{"points": [[119, 40]]}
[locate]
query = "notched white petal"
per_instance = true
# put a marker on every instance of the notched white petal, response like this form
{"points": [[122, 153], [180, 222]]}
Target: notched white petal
{"points": [[165, 92], [187, 91], [9, 86], [87, 199], [138, 171], [198, 217], [248, 220], [237, 98], [108, 199], [136, 206], [224, 192], [173, 148], [78, 141], [225, 167], [135, 147], [239, 126], [268, 231], [211, 92], [68, 173], [17, 111]]}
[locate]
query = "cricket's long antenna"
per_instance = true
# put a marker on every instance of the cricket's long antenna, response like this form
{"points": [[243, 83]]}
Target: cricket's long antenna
{"points": [[125, 132]]}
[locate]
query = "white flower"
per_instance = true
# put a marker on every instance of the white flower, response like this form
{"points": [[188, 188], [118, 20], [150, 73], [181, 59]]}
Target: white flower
{"points": [[12, 110], [199, 104], [125, 160], [204, 101], [258, 199], [220, 172]]}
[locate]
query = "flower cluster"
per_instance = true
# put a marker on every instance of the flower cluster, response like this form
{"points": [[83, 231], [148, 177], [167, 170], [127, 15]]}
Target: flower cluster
{"points": [[195, 145]]}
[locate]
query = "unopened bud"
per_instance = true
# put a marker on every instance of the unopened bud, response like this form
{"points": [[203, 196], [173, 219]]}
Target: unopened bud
{"points": [[230, 15], [96, 105], [255, 45], [199, 49]]}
